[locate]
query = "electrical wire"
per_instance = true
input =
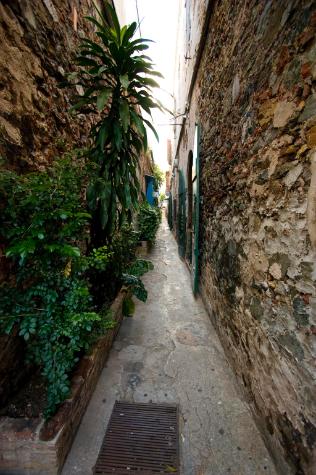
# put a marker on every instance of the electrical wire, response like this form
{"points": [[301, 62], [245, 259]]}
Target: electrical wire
{"points": [[140, 33]]}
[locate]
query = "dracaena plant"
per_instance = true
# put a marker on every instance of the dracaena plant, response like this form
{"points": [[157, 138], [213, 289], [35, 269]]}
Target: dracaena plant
{"points": [[116, 78]]}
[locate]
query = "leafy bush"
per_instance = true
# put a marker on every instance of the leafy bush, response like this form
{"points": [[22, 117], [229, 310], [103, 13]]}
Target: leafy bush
{"points": [[159, 177], [105, 323], [43, 223], [44, 226], [123, 247], [149, 218], [42, 214], [140, 267], [99, 259], [122, 251]]}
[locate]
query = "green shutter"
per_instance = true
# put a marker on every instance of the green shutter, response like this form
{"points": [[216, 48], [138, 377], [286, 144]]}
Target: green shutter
{"points": [[181, 221], [196, 209]]}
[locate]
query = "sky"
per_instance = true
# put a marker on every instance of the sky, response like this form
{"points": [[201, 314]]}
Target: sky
{"points": [[158, 22]]}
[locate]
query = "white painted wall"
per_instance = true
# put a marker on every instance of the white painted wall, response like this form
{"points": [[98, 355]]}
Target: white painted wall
{"points": [[120, 10], [190, 25]]}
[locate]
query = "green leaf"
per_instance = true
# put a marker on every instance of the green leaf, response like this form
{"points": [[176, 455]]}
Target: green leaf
{"points": [[149, 82], [95, 22], [156, 73], [117, 136], [136, 285], [103, 98], [82, 102], [93, 46], [104, 189], [138, 122], [84, 61], [91, 196], [21, 248], [103, 134], [104, 215], [152, 128], [63, 249], [128, 200], [140, 41], [129, 33], [115, 20], [124, 114], [122, 33], [145, 142], [124, 81], [141, 47], [128, 307], [140, 267]]}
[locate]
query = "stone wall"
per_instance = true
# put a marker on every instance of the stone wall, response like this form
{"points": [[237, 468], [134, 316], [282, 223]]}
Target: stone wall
{"points": [[258, 223], [255, 98], [38, 40]]}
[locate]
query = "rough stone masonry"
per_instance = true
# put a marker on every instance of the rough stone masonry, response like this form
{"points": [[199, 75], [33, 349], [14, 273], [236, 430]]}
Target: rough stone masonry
{"points": [[38, 41], [257, 108]]}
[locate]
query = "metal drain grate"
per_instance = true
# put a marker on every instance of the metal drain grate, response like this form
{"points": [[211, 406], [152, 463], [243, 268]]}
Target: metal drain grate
{"points": [[141, 439]]}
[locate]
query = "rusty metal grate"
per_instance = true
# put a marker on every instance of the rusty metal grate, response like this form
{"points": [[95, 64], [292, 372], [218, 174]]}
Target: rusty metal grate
{"points": [[141, 439]]}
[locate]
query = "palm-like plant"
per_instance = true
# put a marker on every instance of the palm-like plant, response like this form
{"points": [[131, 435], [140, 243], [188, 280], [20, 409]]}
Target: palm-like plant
{"points": [[116, 78]]}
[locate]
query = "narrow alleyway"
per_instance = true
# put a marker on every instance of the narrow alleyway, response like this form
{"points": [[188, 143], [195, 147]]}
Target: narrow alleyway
{"points": [[169, 352]]}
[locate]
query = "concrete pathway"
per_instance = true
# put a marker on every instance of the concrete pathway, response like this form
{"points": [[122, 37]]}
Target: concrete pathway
{"points": [[169, 352]]}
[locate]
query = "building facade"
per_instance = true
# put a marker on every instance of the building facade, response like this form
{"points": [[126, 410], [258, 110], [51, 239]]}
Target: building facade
{"points": [[243, 201]]}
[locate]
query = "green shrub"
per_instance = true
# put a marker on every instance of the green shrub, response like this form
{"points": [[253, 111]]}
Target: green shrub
{"points": [[56, 287], [149, 218], [123, 246], [43, 225], [122, 250], [159, 177]]}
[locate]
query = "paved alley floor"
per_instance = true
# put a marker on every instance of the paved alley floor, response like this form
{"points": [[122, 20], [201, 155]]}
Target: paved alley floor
{"points": [[169, 352]]}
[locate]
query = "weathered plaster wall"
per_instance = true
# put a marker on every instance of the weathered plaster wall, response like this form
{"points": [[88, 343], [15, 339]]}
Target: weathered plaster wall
{"points": [[190, 25], [255, 98]]}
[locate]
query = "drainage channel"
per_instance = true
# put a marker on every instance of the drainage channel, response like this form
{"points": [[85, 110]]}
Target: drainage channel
{"points": [[141, 439]]}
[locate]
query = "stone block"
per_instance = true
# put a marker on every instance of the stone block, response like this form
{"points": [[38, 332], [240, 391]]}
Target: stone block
{"points": [[311, 137], [283, 112], [309, 110]]}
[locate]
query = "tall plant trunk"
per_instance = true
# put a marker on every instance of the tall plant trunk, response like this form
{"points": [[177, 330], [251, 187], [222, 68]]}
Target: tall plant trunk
{"points": [[99, 236]]}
